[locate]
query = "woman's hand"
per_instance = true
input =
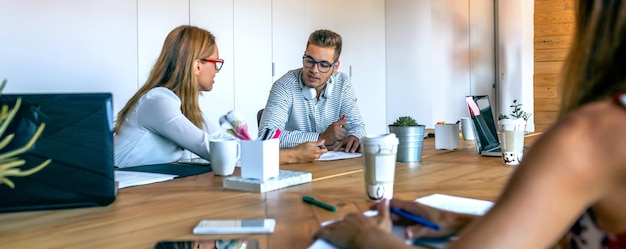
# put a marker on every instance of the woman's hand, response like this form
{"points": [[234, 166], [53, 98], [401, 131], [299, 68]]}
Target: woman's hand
{"points": [[449, 222], [310, 151], [359, 231], [304, 152]]}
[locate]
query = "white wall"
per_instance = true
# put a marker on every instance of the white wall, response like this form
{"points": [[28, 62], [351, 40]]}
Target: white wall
{"points": [[406, 57], [438, 52], [516, 56], [69, 46]]}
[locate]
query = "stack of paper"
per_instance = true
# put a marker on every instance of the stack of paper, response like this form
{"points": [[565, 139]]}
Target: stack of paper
{"points": [[133, 178]]}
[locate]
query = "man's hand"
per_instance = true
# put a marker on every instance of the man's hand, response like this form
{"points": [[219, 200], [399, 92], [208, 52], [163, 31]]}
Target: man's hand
{"points": [[350, 144], [335, 132]]}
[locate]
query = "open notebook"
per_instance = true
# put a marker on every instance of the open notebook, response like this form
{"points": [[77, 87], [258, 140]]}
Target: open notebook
{"points": [[485, 131]]}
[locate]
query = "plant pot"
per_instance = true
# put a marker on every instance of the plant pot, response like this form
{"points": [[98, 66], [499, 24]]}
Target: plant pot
{"points": [[411, 140]]}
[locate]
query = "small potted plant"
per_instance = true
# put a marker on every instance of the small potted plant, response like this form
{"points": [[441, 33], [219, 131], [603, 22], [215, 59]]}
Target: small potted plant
{"points": [[512, 129], [516, 113], [410, 137], [9, 161]]}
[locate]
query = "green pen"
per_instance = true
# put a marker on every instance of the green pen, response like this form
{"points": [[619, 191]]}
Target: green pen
{"points": [[311, 200]]}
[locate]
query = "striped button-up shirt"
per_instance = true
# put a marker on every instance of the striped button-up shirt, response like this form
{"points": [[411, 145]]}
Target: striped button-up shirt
{"points": [[293, 108]]}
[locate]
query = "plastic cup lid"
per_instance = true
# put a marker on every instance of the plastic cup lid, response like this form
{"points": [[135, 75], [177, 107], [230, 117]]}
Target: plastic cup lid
{"points": [[388, 138]]}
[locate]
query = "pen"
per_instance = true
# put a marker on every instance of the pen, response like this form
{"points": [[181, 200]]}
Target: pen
{"points": [[277, 134], [343, 117], [415, 218], [311, 200]]}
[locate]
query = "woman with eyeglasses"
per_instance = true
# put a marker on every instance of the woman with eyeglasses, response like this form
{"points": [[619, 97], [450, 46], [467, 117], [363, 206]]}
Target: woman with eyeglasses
{"points": [[163, 119]]}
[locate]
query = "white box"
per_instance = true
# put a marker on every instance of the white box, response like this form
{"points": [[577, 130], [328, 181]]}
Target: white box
{"points": [[447, 136], [259, 159]]}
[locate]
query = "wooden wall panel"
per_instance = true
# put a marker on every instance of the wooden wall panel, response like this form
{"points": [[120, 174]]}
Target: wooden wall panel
{"points": [[554, 27]]}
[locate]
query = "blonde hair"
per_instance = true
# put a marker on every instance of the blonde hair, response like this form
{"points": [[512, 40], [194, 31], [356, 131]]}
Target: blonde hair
{"points": [[592, 70], [174, 70]]}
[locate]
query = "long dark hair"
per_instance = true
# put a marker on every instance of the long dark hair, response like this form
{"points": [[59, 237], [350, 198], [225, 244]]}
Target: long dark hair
{"points": [[594, 68]]}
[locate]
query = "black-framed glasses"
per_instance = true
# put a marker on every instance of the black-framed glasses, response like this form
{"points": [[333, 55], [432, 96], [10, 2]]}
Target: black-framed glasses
{"points": [[323, 66], [218, 62]]}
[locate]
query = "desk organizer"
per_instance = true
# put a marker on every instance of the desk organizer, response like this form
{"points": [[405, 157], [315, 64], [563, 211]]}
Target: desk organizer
{"points": [[286, 178], [447, 136], [259, 159]]}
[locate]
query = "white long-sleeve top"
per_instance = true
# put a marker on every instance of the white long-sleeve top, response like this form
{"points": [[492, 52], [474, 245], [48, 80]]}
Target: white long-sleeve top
{"points": [[156, 131]]}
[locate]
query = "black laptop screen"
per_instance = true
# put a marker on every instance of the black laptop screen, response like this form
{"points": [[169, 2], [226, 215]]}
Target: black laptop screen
{"points": [[77, 137], [479, 108]]}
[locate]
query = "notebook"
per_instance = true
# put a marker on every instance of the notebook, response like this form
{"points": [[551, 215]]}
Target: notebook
{"points": [[77, 137], [485, 131]]}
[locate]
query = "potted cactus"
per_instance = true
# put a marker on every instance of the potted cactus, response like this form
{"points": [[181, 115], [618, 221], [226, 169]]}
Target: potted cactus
{"points": [[410, 137]]}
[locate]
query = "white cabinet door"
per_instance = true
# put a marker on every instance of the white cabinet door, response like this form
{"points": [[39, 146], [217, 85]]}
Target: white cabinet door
{"points": [[69, 46], [361, 23], [155, 19], [289, 36], [252, 57], [217, 17]]}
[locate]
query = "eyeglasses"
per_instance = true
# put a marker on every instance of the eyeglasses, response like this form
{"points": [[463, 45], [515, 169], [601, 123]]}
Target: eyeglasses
{"points": [[323, 66], [218, 62]]}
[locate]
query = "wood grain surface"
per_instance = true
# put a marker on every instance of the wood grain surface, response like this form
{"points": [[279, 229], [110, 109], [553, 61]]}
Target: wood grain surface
{"points": [[141, 216]]}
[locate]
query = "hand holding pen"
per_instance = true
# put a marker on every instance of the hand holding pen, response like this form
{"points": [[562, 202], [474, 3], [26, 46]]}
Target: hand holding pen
{"points": [[336, 131]]}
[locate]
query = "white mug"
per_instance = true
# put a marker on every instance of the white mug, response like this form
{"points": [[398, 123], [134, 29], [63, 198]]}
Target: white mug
{"points": [[224, 155]]}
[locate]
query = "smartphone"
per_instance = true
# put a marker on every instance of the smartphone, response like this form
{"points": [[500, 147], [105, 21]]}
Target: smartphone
{"points": [[235, 226], [237, 243]]}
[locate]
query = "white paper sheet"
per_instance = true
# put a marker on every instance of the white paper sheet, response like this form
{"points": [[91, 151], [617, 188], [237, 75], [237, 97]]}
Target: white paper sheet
{"points": [[133, 178], [456, 204], [441, 201], [337, 155]]}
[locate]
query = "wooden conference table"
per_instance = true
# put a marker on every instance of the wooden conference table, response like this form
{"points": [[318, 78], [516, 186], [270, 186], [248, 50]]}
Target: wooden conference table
{"points": [[141, 216]]}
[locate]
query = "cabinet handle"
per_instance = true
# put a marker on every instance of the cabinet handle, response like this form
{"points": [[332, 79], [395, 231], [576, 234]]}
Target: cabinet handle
{"points": [[273, 69], [350, 70]]}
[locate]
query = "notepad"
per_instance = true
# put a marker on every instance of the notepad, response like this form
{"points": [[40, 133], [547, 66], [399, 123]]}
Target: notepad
{"points": [[286, 178], [337, 155]]}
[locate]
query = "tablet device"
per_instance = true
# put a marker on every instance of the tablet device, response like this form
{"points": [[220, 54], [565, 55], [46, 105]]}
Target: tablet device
{"points": [[235, 226], [236, 243]]}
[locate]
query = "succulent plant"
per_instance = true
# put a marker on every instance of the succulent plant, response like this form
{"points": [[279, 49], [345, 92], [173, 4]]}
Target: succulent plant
{"points": [[9, 163], [516, 113], [405, 121]]}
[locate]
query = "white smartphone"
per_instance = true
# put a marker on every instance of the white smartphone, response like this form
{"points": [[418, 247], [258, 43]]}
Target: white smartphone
{"points": [[235, 226]]}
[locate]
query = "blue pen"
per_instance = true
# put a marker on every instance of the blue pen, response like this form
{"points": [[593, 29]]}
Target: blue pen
{"points": [[415, 218]]}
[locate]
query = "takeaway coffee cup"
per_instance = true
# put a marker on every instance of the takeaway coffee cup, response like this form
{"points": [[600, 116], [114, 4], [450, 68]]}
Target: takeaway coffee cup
{"points": [[512, 131], [224, 155], [379, 165]]}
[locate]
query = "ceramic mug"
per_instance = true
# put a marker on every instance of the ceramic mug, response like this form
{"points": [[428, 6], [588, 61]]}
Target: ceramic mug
{"points": [[224, 155]]}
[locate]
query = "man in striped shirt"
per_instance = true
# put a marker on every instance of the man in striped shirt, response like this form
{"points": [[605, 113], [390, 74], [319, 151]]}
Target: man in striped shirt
{"points": [[315, 102]]}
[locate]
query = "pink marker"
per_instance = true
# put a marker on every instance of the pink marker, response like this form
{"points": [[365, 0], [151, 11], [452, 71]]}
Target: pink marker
{"points": [[277, 134]]}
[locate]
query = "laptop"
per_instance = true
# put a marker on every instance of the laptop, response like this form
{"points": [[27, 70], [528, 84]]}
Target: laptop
{"points": [[78, 140], [485, 131]]}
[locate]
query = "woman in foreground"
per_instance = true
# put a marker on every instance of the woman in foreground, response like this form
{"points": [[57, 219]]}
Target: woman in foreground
{"points": [[163, 119], [570, 190]]}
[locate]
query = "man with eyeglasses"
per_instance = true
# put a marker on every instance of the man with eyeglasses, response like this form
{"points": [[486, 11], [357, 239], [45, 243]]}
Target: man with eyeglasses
{"points": [[315, 102]]}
